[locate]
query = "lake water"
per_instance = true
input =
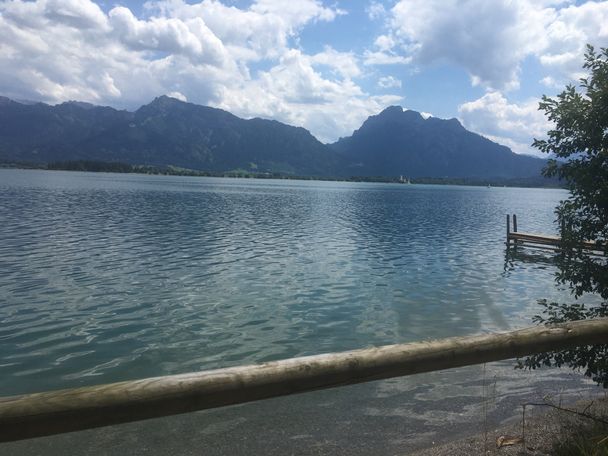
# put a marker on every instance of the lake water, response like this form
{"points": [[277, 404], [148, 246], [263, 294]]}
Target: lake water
{"points": [[107, 277]]}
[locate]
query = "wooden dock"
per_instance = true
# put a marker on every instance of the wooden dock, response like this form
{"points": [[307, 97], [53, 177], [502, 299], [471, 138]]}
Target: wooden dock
{"points": [[544, 241]]}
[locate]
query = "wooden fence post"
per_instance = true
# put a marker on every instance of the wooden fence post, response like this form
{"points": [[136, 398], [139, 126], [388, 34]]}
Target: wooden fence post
{"points": [[56, 412]]}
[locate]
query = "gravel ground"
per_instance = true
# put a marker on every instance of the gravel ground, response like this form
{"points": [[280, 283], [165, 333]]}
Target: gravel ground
{"points": [[542, 429]]}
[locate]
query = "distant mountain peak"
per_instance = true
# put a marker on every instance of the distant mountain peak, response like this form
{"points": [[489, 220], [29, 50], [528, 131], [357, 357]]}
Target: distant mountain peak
{"points": [[412, 115], [79, 104], [163, 105], [5, 101], [391, 111], [165, 100], [168, 131], [398, 114], [452, 124], [454, 121], [398, 141]]}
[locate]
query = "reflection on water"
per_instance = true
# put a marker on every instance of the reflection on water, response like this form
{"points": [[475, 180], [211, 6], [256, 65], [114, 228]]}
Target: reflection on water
{"points": [[108, 277], [541, 258], [111, 277]]}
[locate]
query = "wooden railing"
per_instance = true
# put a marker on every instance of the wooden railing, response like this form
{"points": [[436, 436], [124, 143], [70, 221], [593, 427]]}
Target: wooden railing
{"points": [[55, 412]]}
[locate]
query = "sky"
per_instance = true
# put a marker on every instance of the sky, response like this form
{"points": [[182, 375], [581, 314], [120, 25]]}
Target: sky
{"points": [[322, 65]]}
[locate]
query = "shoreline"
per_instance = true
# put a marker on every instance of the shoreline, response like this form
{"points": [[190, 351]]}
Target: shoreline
{"points": [[122, 168], [344, 421]]}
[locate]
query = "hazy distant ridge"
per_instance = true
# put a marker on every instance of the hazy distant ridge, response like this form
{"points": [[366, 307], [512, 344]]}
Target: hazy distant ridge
{"points": [[403, 140], [171, 132]]}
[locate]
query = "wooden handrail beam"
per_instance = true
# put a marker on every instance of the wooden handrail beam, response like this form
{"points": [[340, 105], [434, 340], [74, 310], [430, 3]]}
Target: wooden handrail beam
{"points": [[55, 412]]}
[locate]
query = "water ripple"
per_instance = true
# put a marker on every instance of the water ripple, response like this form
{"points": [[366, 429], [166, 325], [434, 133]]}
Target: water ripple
{"points": [[109, 277]]}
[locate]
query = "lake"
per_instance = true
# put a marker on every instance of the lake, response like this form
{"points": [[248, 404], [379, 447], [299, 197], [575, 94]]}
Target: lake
{"points": [[108, 277]]}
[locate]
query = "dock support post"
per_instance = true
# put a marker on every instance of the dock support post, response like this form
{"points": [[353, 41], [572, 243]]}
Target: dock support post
{"points": [[508, 230], [514, 223]]}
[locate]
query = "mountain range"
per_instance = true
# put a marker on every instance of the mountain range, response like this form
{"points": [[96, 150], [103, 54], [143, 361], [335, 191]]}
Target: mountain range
{"points": [[170, 132]]}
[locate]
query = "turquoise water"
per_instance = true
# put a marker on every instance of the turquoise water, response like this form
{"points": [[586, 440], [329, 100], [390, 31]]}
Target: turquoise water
{"points": [[107, 277], [110, 277]]}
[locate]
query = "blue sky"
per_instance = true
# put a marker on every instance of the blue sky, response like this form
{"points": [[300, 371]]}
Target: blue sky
{"points": [[323, 65]]}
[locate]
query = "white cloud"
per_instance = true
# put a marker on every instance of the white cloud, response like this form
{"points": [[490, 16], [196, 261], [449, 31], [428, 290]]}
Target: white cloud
{"points": [[177, 96], [384, 43], [573, 28], [549, 81], [248, 35], [384, 58], [259, 32], [383, 52], [375, 10], [295, 93], [514, 125], [389, 82], [490, 40], [76, 13], [343, 63], [169, 35], [297, 12], [203, 52]]}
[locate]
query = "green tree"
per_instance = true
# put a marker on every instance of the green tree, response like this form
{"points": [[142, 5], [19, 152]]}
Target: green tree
{"points": [[579, 145]]}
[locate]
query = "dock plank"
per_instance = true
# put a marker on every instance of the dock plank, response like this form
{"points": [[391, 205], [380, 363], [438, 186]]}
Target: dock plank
{"points": [[543, 239]]}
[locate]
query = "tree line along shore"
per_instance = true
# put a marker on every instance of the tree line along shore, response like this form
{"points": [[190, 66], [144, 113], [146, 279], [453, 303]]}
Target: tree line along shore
{"points": [[119, 167]]}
